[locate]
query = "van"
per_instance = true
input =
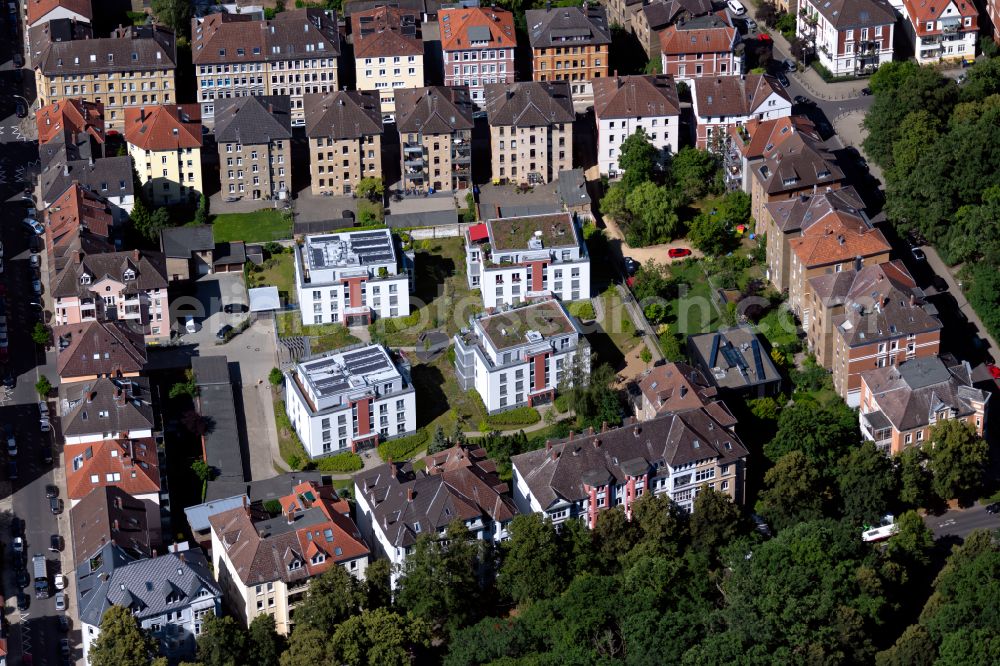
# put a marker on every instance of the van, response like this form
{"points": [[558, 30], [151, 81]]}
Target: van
{"points": [[189, 325], [736, 7], [41, 575]]}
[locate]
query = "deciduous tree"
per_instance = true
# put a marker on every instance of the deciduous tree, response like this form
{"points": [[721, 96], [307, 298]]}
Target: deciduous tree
{"points": [[868, 483], [223, 642], [715, 521], [957, 459], [637, 160], [531, 560], [122, 642], [793, 492], [379, 636], [265, 643]]}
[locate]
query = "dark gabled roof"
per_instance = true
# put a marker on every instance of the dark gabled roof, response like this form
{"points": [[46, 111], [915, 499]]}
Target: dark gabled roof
{"points": [[128, 49], [386, 32], [182, 242], [106, 177], [99, 348], [434, 109], [560, 471], [223, 450], [847, 14], [799, 159], [253, 120], [109, 514], [343, 114], [673, 387], [735, 95], [149, 267], [127, 402], [635, 96], [548, 28], [529, 103], [802, 212], [662, 13], [573, 188], [460, 483], [290, 35]]}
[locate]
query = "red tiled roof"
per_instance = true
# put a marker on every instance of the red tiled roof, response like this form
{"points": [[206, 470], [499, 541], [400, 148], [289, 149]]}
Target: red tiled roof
{"points": [[164, 127], [70, 116], [765, 133], [37, 9], [840, 238], [455, 24], [76, 210], [134, 461], [675, 39], [920, 12]]}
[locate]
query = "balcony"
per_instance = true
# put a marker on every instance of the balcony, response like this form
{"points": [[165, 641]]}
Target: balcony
{"points": [[867, 48], [413, 161], [877, 428]]}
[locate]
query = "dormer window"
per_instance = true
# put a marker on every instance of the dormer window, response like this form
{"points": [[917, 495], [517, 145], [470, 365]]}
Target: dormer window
{"points": [[84, 279], [416, 527], [294, 564], [318, 558], [129, 275]]}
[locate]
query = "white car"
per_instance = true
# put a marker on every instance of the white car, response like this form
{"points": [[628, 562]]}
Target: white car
{"points": [[60, 601], [60, 582], [43, 409], [18, 545], [35, 261], [736, 7], [44, 425]]}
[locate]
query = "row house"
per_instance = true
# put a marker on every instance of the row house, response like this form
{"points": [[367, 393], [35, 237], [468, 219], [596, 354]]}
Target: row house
{"points": [[734, 361], [621, 12], [477, 48], [720, 103], [940, 30], [352, 278], [266, 563], [514, 259], [746, 145], [110, 515], [169, 596], [796, 163], [706, 45], [435, 133], [344, 130], [388, 53], [672, 387], [93, 349], [396, 502], [130, 464], [130, 287], [74, 127], [624, 105], [531, 130], [900, 404], [109, 179], [134, 67], [254, 138], [866, 318], [107, 408], [570, 44], [677, 454], [789, 219], [654, 17], [840, 241], [350, 398], [164, 143], [295, 53], [37, 12], [77, 221], [848, 37], [520, 356]]}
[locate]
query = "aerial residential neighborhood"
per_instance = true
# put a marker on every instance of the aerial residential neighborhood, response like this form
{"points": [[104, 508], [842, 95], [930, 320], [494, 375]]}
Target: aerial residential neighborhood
{"points": [[416, 332]]}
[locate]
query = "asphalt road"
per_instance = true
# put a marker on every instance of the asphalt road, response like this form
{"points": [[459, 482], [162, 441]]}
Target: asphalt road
{"points": [[961, 522]]}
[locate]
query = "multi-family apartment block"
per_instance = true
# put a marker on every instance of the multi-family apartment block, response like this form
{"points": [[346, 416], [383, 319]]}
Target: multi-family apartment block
{"points": [[435, 130], [513, 259], [108, 178], [397, 503], [265, 564], [940, 31], [570, 44], [672, 387], [655, 16], [130, 287], [734, 362], [130, 464], [76, 221], [350, 398], [745, 147], [93, 349], [345, 140], [901, 403], [134, 67], [677, 454], [626, 104], [477, 45], [520, 356], [295, 54], [73, 126], [106, 408], [254, 136], [706, 45], [352, 277], [164, 143], [110, 515], [388, 53], [849, 37], [723, 102], [531, 130]]}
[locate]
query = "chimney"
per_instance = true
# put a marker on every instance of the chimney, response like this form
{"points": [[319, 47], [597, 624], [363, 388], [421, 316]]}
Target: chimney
{"points": [[571, 433], [290, 515], [604, 426], [175, 547], [409, 494], [913, 300], [244, 501], [548, 445], [181, 556], [392, 468], [555, 455], [114, 525], [65, 169], [597, 442], [636, 431], [590, 431]]}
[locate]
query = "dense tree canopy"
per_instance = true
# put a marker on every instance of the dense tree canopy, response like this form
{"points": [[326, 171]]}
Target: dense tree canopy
{"points": [[121, 641]]}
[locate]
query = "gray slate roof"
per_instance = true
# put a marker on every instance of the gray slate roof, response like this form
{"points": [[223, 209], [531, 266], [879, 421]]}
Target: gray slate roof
{"points": [[150, 273], [128, 49], [197, 515], [144, 586], [133, 410], [529, 103], [559, 473], [564, 26], [434, 109], [252, 120], [660, 14], [182, 242], [105, 177], [573, 188], [846, 14], [344, 114]]}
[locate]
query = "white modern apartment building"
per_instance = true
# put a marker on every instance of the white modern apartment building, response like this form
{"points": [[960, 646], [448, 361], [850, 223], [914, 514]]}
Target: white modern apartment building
{"points": [[513, 259], [520, 356], [623, 105], [352, 278], [350, 398]]}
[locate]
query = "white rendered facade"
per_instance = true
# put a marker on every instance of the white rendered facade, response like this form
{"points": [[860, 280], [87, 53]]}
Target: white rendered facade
{"points": [[663, 132], [527, 257], [352, 278], [521, 356], [352, 397]]}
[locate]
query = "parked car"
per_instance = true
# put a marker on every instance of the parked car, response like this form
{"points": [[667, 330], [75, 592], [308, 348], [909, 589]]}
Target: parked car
{"points": [[23, 580], [865, 92], [223, 332], [56, 544], [12, 469], [235, 308], [61, 605], [736, 7], [802, 100], [51, 491], [63, 623], [18, 544], [56, 506], [44, 425], [678, 252], [36, 286], [43, 409], [15, 527], [993, 508], [631, 265], [21, 109], [35, 261], [33, 224], [939, 283], [60, 580], [918, 254], [23, 601], [782, 79], [18, 60]]}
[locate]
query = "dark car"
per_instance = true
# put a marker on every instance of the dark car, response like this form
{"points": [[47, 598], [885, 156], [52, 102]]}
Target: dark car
{"points": [[51, 491], [21, 109], [18, 60], [56, 543], [56, 506], [802, 100], [23, 601], [235, 308], [223, 332], [789, 65], [993, 508], [630, 265], [939, 283], [23, 580], [865, 92], [9, 379], [15, 527], [63, 623], [782, 79], [11, 469], [918, 254]]}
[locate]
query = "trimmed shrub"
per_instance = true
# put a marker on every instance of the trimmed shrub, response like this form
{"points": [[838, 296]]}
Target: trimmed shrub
{"points": [[520, 416], [404, 447], [342, 462]]}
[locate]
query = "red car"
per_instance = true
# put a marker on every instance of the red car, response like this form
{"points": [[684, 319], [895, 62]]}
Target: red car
{"points": [[678, 252]]}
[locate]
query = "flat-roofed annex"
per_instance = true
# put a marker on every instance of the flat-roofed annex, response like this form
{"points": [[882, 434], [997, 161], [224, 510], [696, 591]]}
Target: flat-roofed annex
{"points": [[516, 233]]}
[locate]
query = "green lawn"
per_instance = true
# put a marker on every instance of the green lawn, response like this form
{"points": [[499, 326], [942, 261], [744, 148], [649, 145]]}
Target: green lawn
{"points": [[323, 337], [279, 271], [694, 310], [257, 227]]}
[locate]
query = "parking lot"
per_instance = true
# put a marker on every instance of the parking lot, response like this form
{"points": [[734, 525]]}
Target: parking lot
{"points": [[205, 302]]}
